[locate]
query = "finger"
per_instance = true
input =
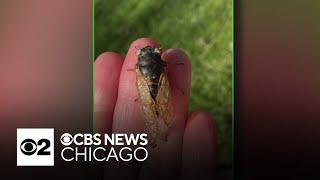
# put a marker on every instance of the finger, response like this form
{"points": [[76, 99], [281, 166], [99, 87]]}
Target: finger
{"points": [[179, 74], [127, 118], [106, 77], [165, 160], [199, 147]]}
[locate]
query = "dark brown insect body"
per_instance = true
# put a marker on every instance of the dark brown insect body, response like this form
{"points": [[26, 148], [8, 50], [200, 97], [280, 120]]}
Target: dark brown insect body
{"points": [[151, 67], [154, 91]]}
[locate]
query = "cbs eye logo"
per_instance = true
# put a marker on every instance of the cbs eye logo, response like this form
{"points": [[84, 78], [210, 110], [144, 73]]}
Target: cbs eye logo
{"points": [[66, 139], [29, 147], [35, 147]]}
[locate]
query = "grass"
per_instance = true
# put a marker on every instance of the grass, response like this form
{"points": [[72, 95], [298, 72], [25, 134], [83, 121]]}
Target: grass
{"points": [[202, 28]]}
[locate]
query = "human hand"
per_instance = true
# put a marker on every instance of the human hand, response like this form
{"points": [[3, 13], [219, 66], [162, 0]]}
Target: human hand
{"points": [[190, 150]]}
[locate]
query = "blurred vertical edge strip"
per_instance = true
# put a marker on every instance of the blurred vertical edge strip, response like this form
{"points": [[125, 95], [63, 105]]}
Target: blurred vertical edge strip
{"points": [[277, 90], [235, 65], [45, 78]]}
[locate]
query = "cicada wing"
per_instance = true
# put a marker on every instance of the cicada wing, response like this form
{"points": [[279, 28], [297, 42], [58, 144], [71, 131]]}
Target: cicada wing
{"points": [[163, 99], [148, 107]]}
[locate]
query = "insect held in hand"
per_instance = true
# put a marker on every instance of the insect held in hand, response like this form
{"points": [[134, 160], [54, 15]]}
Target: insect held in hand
{"points": [[154, 93]]}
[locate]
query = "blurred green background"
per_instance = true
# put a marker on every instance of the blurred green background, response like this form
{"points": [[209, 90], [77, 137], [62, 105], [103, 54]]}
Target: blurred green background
{"points": [[202, 28]]}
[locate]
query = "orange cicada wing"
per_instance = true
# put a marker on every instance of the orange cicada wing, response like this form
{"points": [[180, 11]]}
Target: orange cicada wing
{"points": [[163, 99], [148, 107]]}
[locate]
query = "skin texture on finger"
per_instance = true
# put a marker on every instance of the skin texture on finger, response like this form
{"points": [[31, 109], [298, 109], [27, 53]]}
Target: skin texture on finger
{"points": [[199, 147], [107, 69], [165, 159]]}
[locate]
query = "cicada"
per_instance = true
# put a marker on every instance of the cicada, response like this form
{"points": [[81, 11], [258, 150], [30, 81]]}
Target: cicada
{"points": [[154, 93]]}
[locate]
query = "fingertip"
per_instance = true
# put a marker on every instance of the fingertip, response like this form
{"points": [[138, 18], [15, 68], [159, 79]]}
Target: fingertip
{"points": [[108, 58], [142, 42], [107, 69], [199, 146], [176, 56], [179, 67], [106, 77], [174, 53], [202, 118], [201, 123]]}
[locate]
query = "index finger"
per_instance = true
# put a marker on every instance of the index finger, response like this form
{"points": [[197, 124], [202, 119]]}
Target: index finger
{"points": [[127, 118]]}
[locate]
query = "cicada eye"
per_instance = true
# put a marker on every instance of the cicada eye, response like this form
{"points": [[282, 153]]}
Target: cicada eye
{"points": [[138, 52], [28, 147], [157, 50]]}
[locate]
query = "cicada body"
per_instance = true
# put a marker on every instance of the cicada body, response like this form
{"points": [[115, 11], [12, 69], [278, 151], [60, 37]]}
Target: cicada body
{"points": [[154, 92]]}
